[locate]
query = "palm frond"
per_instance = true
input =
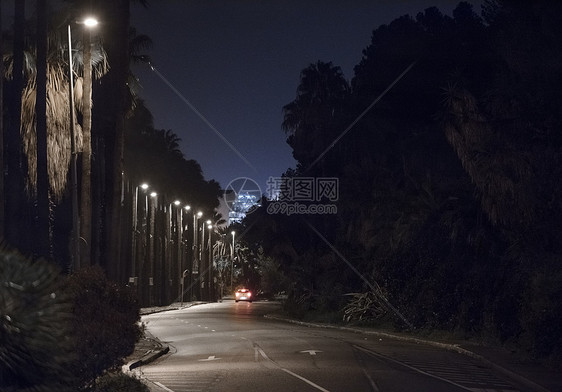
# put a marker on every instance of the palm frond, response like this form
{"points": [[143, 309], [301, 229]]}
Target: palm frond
{"points": [[58, 131]]}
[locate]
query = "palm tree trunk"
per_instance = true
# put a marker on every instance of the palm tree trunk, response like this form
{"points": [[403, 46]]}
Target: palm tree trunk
{"points": [[86, 201], [2, 216], [116, 22], [42, 213], [14, 178]]}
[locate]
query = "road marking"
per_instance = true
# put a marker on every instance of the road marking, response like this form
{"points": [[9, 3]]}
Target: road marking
{"points": [[211, 358], [311, 352], [263, 354], [305, 380], [375, 354], [163, 386]]}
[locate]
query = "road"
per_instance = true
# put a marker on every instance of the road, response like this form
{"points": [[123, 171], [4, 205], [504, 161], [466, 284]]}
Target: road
{"points": [[231, 347]]}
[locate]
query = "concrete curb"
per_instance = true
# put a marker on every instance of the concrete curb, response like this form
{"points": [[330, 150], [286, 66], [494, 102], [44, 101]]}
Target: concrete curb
{"points": [[533, 387], [148, 358], [152, 356]]}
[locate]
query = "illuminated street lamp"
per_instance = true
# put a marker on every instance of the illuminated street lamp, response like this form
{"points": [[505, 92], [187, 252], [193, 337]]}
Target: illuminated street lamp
{"points": [[210, 269], [75, 248], [195, 267], [183, 272], [195, 260], [133, 278], [232, 260], [90, 22]]}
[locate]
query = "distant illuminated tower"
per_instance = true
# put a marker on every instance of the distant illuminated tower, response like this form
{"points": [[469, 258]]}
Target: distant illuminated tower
{"points": [[242, 203], [242, 196]]}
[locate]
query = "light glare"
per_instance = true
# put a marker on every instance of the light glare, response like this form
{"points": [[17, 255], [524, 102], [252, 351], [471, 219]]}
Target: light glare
{"points": [[90, 22]]}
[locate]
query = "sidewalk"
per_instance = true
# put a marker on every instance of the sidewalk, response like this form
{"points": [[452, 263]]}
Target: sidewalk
{"points": [[532, 376]]}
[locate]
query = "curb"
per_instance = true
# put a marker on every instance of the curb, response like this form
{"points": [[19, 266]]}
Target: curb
{"points": [[533, 387], [147, 358], [152, 356]]}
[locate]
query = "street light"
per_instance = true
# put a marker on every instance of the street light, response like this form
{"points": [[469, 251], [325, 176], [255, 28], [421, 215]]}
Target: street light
{"points": [[232, 260], [151, 247], [133, 278], [195, 261], [210, 269], [183, 272], [90, 22], [75, 254]]}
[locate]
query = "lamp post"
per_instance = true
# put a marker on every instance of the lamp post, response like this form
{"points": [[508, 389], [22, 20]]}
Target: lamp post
{"points": [[183, 272], [134, 236], [151, 234], [142, 246], [195, 261], [232, 261], [75, 246], [210, 269], [203, 272]]}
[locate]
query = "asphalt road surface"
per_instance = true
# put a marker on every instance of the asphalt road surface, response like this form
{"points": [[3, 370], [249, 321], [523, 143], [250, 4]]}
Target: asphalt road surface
{"points": [[232, 347]]}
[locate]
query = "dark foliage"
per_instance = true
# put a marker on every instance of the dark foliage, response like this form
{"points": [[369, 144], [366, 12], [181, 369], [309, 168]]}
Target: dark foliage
{"points": [[153, 156], [449, 191], [105, 319], [36, 340], [119, 382]]}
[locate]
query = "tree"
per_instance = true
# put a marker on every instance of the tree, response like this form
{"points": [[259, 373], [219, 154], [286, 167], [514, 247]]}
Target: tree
{"points": [[14, 207], [86, 193], [42, 223], [48, 154], [313, 119]]}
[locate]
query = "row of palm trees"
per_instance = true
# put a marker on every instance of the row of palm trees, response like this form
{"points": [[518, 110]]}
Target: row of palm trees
{"points": [[111, 137], [38, 113]]}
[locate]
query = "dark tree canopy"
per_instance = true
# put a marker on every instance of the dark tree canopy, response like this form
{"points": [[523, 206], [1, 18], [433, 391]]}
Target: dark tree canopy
{"points": [[449, 191]]}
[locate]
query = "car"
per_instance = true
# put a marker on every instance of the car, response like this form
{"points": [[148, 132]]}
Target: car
{"points": [[243, 295]]}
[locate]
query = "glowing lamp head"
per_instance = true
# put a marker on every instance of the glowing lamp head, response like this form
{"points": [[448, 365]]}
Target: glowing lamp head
{"points": [[90, 22]]}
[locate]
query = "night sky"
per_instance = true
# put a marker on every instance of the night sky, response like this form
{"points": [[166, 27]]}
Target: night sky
{"points": [[238, 63]]}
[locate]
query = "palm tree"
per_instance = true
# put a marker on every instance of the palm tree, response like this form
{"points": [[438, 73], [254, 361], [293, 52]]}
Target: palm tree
{"points": [[313, 117], [48, 148], [12, 138], [2, 202], [42, 214], [86, 196]]}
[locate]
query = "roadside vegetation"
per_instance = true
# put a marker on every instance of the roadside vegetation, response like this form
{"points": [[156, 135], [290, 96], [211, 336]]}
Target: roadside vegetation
{"points": [[448, 211], [63, 333]]}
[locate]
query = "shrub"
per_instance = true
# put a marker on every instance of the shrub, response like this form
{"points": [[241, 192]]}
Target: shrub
{"points": [[119, 382], [36, 348], [106, 319]]}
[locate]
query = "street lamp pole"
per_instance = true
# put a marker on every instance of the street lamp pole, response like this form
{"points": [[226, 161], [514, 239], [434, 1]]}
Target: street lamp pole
{"points": [[183, 272], [75, 237], [74, 247], [232, 262], [195, 262], [210, 269]]}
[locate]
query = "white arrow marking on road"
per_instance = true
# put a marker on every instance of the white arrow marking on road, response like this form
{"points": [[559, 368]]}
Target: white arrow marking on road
{"points": [[311, 352], [211, 358]]}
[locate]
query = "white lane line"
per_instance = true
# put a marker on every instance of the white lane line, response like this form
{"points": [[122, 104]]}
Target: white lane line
{"points": [[372, 382], [163, 386], [263, 354], [305, 380], [375, 354]]}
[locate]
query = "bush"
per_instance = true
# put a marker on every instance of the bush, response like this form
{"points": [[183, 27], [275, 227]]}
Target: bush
{"points": [[119, 382], [106, 319], [36, 348]]}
